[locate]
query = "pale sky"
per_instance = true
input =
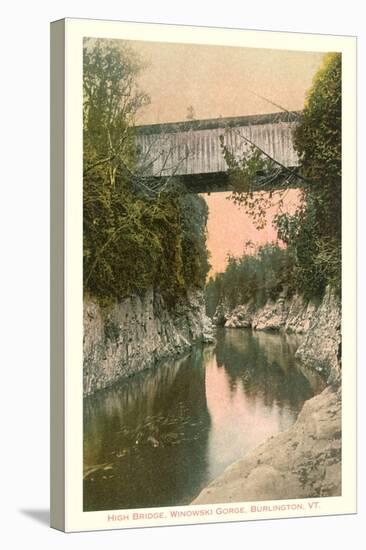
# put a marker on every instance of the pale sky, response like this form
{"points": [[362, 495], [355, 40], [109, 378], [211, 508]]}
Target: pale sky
{"points": [[229, 227], [220, 81], [223, 81]]}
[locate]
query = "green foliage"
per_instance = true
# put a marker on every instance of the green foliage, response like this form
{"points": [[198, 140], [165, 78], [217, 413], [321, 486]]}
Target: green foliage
{"points": [[318, 139], [193, 222], [111, 99], [317, 260], [313, 233], [243, 174], [316, 227], [252, 278], [132, 241], [297, 231]]}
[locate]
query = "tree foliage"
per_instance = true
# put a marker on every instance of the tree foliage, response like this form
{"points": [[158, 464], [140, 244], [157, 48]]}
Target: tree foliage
{"points": [[111, 99], [132, 240], [253, 277], [243, 173], [318, 140], [313, 232]]}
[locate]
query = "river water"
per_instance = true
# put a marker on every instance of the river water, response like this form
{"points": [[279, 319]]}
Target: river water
{"points": [[158, 438]]}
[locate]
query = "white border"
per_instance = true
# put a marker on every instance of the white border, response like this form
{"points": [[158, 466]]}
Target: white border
{"points": [[75, 30]]}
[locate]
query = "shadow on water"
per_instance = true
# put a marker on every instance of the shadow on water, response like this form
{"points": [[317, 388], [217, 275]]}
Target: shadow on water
{"points": [[159, 437], [145, 432]]}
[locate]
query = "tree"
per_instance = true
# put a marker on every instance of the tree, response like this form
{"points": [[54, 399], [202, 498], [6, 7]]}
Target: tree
{"points": [[111, 100], [314, 232], [243, 175], [318, 140], [256, 276], [135, 237]]}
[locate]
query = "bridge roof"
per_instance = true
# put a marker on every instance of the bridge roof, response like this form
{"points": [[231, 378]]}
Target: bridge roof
{"points": [[212, 123]]}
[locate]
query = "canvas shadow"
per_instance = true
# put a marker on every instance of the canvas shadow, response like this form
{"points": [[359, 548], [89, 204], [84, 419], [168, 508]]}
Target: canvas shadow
{"points": [[40, 515]]}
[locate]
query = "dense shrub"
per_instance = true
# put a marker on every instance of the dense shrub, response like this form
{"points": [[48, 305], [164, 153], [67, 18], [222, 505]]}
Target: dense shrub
{"points": [[133, 239], [252, 277]]}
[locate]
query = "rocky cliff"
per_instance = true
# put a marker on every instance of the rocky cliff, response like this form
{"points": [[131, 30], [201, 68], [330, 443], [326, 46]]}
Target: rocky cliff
{"points": [[318, 321], [301, 462], [305, 460], [136, 333]]}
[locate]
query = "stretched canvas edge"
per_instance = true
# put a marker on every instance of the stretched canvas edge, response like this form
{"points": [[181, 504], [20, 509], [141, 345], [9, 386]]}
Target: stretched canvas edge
{"points": [[67, 371]]}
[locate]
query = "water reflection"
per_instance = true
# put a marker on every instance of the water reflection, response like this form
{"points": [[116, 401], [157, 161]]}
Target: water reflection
{"points": [[158, 438]]}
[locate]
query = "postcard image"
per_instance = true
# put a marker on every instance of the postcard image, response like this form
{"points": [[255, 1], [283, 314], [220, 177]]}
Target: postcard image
{"points": [[215, 237]]}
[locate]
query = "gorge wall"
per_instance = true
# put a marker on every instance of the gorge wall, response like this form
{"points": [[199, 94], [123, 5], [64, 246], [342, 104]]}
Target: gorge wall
{"points": [[136, 333], [305, 460], [301, 462], [318, 321]]}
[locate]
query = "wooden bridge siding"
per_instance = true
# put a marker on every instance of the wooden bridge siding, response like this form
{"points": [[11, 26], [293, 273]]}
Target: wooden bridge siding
{"points": [[167, 151]]}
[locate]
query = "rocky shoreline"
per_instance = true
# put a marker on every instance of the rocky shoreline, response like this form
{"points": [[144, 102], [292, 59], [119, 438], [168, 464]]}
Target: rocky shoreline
{"points": [[305, 460], [301, 462], [136, 333], [318, 321]]}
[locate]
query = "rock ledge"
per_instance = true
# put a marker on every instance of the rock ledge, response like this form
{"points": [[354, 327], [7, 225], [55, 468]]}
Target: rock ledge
{"points": [[302, 462]]}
